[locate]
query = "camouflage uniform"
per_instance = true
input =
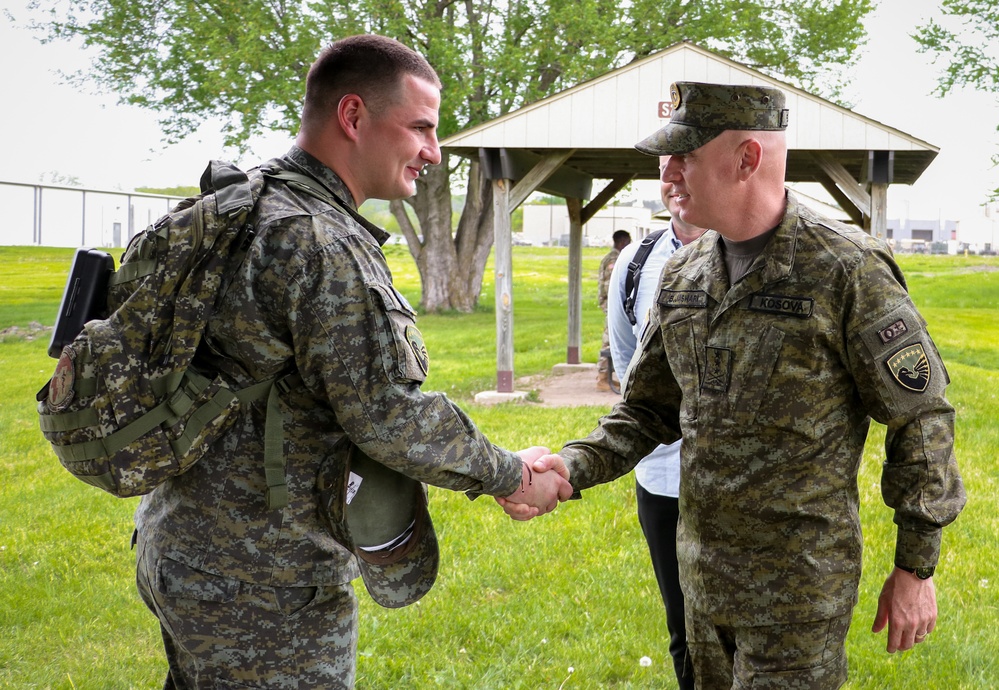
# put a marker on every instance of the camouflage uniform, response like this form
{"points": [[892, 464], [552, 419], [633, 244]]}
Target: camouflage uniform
{"points": [[772, 383], [313, 295], [603, 288]]}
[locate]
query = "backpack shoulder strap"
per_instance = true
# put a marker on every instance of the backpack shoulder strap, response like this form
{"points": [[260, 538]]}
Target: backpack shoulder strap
{"points": [[304, 183], [634, 275]]}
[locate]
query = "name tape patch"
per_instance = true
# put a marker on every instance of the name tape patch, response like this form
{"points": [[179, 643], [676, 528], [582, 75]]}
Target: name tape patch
{"points": [[781, 304], [683, 298]]}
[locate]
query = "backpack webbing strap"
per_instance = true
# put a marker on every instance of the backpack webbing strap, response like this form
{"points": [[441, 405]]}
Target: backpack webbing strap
{"points": [[304, 183], [634, 275], [277, 484], [131, 271], [177, 404]]}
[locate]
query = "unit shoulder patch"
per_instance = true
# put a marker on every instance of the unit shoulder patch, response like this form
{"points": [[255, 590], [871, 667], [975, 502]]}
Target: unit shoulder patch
{"points": [[910, 367], [415, 340]]}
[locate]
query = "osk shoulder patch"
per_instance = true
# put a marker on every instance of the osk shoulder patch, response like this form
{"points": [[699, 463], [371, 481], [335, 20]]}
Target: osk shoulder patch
{"points": [[910, 367], [415, 340]]}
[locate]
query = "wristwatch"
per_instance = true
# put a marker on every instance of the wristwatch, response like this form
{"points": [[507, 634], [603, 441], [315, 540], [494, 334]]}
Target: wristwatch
{"points": [[924, 573]]}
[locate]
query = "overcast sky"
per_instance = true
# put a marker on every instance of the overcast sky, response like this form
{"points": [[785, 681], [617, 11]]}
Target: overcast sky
{"points": [[48, 127]]}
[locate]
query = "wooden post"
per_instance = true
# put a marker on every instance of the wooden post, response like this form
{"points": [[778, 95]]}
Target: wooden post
{"points": [[879, 211], [575, 335], [503, 232]]}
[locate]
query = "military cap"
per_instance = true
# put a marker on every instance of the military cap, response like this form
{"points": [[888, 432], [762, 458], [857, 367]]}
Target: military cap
{"points": [[703, 111], [382, 517]]}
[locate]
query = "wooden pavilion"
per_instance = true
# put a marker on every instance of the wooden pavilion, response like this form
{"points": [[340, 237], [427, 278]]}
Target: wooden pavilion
{"points": [[562, 144]]}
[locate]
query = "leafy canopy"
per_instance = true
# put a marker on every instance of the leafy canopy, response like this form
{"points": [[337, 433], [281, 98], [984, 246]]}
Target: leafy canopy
{"points": [[244, 63], [968, 41]]}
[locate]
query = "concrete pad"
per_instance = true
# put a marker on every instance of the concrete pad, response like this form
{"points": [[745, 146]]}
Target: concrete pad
{"points": [[495, 397], [566, 368]]}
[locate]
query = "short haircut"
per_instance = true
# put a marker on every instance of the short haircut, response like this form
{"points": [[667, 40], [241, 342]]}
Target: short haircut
{"points": [[620, 236], [368, 65]]}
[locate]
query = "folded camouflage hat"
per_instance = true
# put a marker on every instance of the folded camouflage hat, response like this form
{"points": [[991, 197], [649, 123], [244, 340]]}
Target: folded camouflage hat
{"points": [[700, 112], [382, 517]]}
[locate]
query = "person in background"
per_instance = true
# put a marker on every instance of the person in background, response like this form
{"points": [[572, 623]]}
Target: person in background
{"points": [[774, 340], [621, 239], [657, 476]]}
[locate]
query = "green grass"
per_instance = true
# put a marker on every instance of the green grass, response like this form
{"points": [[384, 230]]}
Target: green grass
{"points": [[516, 605]]}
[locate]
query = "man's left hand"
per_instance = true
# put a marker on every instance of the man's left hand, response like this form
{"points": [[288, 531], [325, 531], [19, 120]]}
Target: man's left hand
{"points": [[908, 606]]}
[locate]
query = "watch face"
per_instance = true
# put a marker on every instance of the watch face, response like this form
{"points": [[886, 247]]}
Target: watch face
{"points": [[924, 573]]}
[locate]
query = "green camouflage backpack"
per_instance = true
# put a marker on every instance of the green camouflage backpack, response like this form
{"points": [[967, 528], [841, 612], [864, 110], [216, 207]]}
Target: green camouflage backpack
{"points": [[124, 410]]}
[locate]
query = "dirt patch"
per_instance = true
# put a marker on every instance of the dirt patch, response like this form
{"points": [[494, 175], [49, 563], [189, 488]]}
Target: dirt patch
{"points": [[575, 389], [32, 331]]}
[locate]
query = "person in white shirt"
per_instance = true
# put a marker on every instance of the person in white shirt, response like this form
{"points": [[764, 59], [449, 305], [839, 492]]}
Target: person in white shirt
{"points": [[658, 474]]}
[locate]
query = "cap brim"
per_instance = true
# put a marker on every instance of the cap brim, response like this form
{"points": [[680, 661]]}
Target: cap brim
{"points": [[384, 506], [403, 575], [676, 139]]}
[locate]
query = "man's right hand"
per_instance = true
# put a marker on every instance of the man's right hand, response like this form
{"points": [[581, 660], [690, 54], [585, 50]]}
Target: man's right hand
{"points": [[545, 484]]}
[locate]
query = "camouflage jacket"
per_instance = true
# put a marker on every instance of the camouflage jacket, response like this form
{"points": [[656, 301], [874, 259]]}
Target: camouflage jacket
{"points": [[315, 295], [772, 383]]}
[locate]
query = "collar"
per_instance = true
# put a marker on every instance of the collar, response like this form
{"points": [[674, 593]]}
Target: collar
{"points": [[306, 163]]}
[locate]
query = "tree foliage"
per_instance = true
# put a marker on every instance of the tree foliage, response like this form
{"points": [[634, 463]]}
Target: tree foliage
{"points": [[245, 64], [971, 50]]}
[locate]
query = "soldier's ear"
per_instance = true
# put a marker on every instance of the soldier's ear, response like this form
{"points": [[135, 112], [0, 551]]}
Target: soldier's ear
{"points": [[750, 158], [349, 113]]}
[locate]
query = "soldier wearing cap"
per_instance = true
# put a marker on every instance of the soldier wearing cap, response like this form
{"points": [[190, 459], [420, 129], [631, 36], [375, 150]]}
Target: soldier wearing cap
{"points": [[250, 594], [776, 337]]}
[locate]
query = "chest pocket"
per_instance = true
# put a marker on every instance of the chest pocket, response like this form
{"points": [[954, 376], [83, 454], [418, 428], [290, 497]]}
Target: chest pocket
{"points": [[404, 354], [752, 390], [683, 341]]}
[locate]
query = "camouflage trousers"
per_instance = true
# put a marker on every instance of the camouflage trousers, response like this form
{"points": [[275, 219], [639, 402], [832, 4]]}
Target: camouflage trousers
{"points": [[604, 363], [800, 656], [222, 633]]}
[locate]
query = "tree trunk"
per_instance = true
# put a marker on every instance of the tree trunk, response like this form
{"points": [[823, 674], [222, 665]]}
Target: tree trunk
{"points": [[451, 264]]}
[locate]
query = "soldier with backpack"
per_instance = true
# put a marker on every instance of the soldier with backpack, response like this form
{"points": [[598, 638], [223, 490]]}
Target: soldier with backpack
{"points": [[255, 592]]}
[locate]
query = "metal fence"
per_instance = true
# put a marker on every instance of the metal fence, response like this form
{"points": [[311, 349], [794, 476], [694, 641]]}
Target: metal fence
{"points": [[56, 216]]}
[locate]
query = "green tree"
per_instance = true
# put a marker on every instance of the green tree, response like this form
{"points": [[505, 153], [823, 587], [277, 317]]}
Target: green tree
{"points": [[245, 63], [969, 50]]}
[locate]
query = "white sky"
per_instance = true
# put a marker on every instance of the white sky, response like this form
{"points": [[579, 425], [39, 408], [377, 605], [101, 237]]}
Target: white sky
{"points": [[47, 127]]}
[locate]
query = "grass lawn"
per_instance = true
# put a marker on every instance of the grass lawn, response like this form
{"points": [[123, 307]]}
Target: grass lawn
{"points": [[517, 605]]}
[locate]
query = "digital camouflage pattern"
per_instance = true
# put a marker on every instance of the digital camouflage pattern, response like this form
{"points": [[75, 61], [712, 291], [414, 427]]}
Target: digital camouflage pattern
{"points": [[772, 383], [122, 411], [224, 633], [799, 656], [700, 112], [314, 295]]}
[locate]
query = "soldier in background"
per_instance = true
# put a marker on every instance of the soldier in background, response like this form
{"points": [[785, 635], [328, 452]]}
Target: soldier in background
{"points": [[775, 338], [251, 595], [621, 239]]}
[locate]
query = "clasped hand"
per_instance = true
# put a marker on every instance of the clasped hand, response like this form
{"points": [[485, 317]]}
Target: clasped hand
{"points": [[544, 484]]}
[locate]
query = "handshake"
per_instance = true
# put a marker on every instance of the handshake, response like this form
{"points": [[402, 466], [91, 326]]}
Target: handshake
{"points": [[545, 483]]}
